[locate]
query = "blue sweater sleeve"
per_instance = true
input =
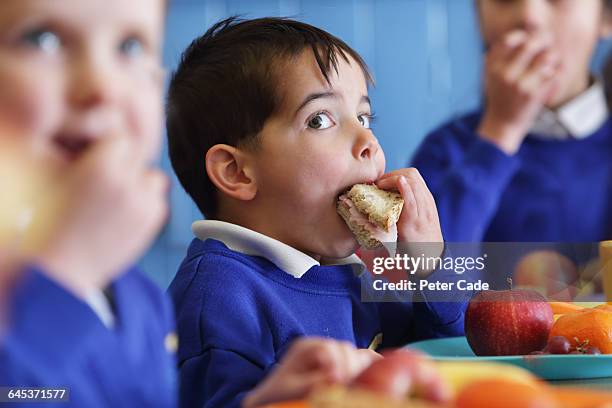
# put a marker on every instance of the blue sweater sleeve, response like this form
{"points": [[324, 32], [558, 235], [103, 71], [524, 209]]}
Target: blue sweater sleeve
{"points": [[441, 313], [467, 177]]}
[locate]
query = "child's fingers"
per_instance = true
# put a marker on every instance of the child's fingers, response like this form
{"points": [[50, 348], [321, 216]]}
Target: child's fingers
{"points": [[534, 81], [365, 358], [514, 38], [338, 361], [410, 211], [523, 56], [402, 181], [504, 48], [370, 354], [390, 174], [312, 354], [351, 361], [343, 364], [389, 180], [427, 204]]}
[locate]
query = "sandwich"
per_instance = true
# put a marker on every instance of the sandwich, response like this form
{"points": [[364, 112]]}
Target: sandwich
{"points": [[371, 214]]}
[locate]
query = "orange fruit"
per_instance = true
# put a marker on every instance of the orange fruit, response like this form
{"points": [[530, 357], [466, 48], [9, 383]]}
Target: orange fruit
{"points": [[582, 398], [593, 325], [505, 394], [288, 404], [564, 307], [605, 306]]}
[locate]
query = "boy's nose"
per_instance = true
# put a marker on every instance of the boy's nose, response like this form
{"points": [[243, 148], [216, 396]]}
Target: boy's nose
{"points": [[92, 83], [532, 15], [366, 145]]}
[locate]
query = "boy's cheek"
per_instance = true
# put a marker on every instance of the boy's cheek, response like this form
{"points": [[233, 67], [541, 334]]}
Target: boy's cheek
{"points": [[146, 123], [32, 113]]}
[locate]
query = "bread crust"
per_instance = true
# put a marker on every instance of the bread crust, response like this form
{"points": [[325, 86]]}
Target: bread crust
{"points": [[382, 207]]}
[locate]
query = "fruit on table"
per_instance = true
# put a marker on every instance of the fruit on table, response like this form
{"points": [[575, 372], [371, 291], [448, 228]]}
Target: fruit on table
{"points": [[289, 404], [342, 397], [607, 307], [509, 322], [561, 345], [582, 398], [551, 273], [404, 373], [473, 385], [587, 329], [505, 394], [459, 374], [564, 307], [558, 345]]}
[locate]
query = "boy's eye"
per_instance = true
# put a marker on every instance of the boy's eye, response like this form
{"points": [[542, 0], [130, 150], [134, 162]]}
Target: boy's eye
{"points": [[43, 39], [131, 47], [365, 120], [320, 121]]}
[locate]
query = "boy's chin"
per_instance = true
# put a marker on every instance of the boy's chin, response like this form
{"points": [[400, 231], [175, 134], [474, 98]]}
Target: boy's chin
{"points": [[341, 248]]}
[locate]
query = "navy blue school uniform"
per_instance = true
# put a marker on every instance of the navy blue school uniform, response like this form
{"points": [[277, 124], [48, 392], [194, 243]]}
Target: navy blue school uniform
{"points": [[556, 188], [241, 298], [56, 340]]}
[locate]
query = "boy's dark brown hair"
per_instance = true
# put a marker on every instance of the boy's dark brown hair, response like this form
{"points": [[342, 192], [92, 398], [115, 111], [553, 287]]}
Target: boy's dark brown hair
{"points": [[225, 88]]}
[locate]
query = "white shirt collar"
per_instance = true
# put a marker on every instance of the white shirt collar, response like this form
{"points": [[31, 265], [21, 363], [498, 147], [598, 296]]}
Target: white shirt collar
{"points": [[578, 118], [97, 300], [249, 242]]}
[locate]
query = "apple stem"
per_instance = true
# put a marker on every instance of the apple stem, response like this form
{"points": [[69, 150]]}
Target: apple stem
{"points": [[509, 280]]}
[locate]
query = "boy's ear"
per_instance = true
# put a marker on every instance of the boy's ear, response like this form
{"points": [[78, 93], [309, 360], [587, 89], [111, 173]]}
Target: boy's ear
{"points": [[229, 169]]}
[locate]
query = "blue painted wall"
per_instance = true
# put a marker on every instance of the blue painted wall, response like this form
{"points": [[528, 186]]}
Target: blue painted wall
{"points": [[425, 56]]}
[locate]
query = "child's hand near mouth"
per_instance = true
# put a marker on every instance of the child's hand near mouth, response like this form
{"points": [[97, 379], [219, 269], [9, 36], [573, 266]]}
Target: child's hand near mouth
{"points": [[418, 228], [520, 72]]}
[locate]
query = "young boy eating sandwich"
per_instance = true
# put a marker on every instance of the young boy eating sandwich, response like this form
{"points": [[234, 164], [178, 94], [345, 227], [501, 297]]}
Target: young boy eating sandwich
{"points": [[268, 125]]}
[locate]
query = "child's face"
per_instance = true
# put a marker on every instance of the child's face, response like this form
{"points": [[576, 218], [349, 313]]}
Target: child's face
{"points": [[74, 71], [313, 149], [574, 26]]}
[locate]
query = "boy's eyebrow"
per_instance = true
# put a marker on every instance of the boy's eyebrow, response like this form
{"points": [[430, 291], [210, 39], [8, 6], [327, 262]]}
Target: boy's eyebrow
{"points": [[313, 96], [319, 95]]}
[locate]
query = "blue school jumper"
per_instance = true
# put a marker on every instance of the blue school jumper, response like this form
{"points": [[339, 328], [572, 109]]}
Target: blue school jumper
{"points": [[55, 340], [550, 191], [237, 314]]}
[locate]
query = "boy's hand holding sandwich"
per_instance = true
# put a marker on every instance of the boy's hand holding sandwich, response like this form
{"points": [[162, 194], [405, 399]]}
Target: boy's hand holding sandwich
{"points": [[419, 220], [380, 215], [418, 227]]}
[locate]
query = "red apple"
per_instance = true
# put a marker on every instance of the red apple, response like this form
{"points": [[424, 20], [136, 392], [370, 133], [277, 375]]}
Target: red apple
{"points": [[404, 373], [508, 322]]}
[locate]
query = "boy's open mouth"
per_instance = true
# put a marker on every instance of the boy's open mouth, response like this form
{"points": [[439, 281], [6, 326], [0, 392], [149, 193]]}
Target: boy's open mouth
{"points": [[72, 146]]}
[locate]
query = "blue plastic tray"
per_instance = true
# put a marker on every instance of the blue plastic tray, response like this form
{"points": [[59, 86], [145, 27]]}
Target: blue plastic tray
{"points": [[548, 367]]}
